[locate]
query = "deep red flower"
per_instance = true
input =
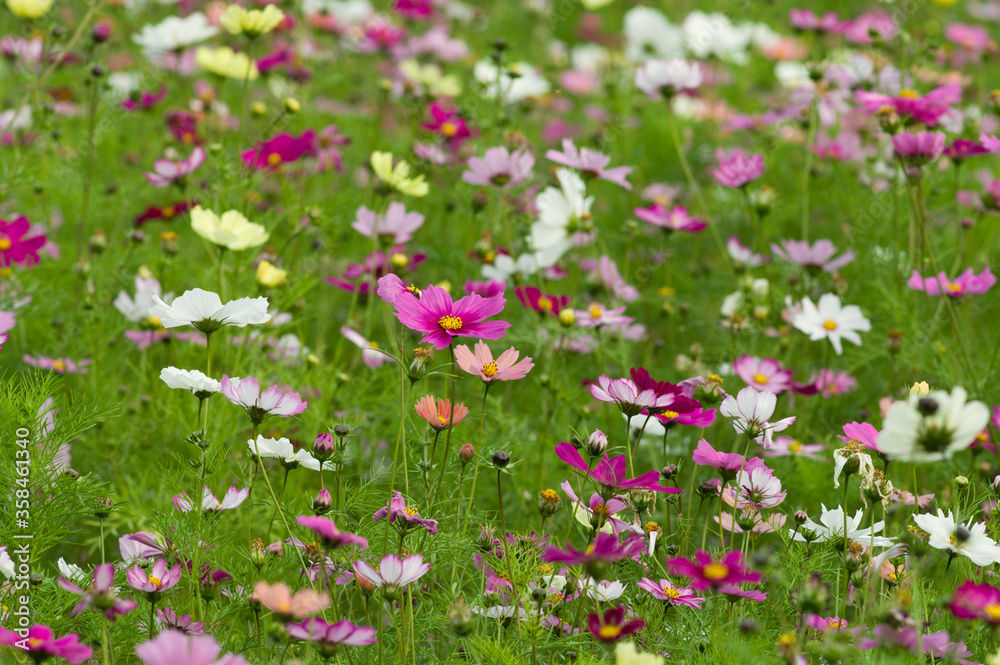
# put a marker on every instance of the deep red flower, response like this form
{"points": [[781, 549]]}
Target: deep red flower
{"points": [[613, 627]]}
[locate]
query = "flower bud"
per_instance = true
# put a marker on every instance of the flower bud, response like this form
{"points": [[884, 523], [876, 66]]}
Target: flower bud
{"points": [[668, 472], [643, 500], [102, 507], [366, 585], [466, 453], [485, 539], [323, 502], [323, 447], [292, 105], [927, 406], [460, 616], [501, 459], [996, 485], [567, 317], [961, 482], [341, 430], [548, 503], [709, 488], [100, 33], [801, 517], [597, 443]]}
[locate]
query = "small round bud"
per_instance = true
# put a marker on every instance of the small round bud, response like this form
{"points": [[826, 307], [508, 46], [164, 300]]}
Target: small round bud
{"points": [[668, 472], [709, 488], [961, 482], [548, 502], [292, 105], [97, 71], [501, 459], [466, 453], [366, 585], [341, 430], [323, 502], [101, 33], [324, 447], [567, 317], [36, 579], [748, 626], [801, 517], [962, 533], [597, 443], [996, 485], [258, 553], [927, 406]]}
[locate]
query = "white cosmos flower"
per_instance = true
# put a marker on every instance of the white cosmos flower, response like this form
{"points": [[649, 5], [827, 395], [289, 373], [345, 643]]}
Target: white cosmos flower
{"points": [[504, 267], [198, 383], [529, 83], [706, 35], [7, 566], [71, 571], [855, 454], [283, 450], [749, 412], [648, 34], [174, 33], [966, 539], [831, 527], [137, 309], [604, 591], [830, 320], [932, 427], [667, 77], [561, 213], [204, 310]]}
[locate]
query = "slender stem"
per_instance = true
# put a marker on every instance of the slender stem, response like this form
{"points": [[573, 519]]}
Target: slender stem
{"points": [[475, 471], [807, 169], [106, 642]]}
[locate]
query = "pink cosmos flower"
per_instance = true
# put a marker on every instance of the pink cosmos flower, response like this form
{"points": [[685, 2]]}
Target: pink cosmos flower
{"points": [[976, 601], [58, 365], [743, 257], [763, 373], [158, 580], [601, 512], [331, 635], [41, 644], [15, 247], [818, 256], [606, 274], [972, 38], [675, 219], [738, 169], [396, 227], [448, 124], [707, 573], [435, 314], [210, 503], [281, 149], [938, 645], [610, 474], [605, 548], [634, 396], [533, 298], [666, 78], [371, 355], [329, 534], [960, 149], [482, 364], [968, 283], [911, 107], [591, 162], [598, 315], [484, 288], [393, 572], [145, 100], [440, 414], [172, 647], [861, 29], [728, 464], [750, 411], [279, 599], [404, 516], [784, 447], [665, 590], [100, 595], [826, 624], [261, 405], [168, 618], [919, 148], [166, 172], [327, 149], [756, 489], [805, 19], [414, 9], [831, 383], [864, 433], [612, 626], [735, 593], [499, 168]]}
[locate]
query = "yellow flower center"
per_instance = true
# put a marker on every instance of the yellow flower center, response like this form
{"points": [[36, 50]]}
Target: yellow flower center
{"points": [[829, 324], [549, 495], [34, 641], [59, 365], [609, 631], [155, 581], [952, 539], [595, 312], [788, 640], [274, 159], [759, 378], [490, 369], [670, 414], [908, 94], [449, 322], [373, 345], [545, 568], [545, 303], [449, 129], [795, 446], [410, 510], [442, 418], [992, 611], [169, 212], [412, 288], [154, 321], [284, 608], [716, 571], [556, 598], [5, 244], [169, 236], [671, 593], [954, 288]]}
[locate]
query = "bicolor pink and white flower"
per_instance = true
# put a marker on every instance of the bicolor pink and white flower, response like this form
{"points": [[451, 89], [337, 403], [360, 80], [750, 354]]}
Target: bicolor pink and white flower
{"points": [[393, 573], [166, 172], [259, 405], [750, 412]]}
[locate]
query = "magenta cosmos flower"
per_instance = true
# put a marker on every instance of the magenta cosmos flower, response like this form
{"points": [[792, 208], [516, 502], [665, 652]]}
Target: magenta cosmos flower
{"points": [[184, 623], [633, 398], [818, 256], [157, 581], [612, 626], [168, 171], [919, 148], [15, 247], [707, 573], [261, 405], [728, 464], [610, 474], [499, 168], [481, 363], [601, 512], [172, 647], [864, 433], [395, 227], [976, 601], [592, 163], [968, 283], [605, 549], [281, 149], [58, 365], [393, 573], [435, 314], [331, 635], [664, 590], [403, 516], [675, 219], [329, 534], [738, 169], [145, 99], [763, 373], [533, 298], [448, 124], [911, 107], [41, 644], [100, 595]]}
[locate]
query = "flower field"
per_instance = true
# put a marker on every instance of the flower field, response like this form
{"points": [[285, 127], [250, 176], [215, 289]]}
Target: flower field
{"points": [[543, 331]]}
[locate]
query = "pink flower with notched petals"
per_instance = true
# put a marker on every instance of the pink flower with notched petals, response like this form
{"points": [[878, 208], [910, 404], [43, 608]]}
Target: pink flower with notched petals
{"points": [[172, 647], [393, 572], [831, 383], [763, 373], [157, 581], [261, 405], [281, 149], [605, 548], [342, 633], [408, 517], [395, 227], [210, 503], [481, 363], [590, 162], [909, 106], [708, 573], [819, 255], [40, 643], [100, 595], [442, 319], [665, 590], [675, 219], [968, 283], [167, 172], [728, 464], [499, 168], [612, 626], [58, 365], [863, 433], [918, 148], [599, 508], [611, 473], [738, 169], [329, 534], [743, 256], [785, 447]]}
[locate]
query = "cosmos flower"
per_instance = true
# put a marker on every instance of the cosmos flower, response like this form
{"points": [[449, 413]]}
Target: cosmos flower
{"points": [[664, 590], [634, 396], [404, 516], [675, 219], [919, 148], [829, 320], [398, 177], [750, 412], [784, 446], [331, 635], [329, 534], [612, 626], [167, 172], [58, 365], [610, 473], [173, 646], [233, 498], [666, 78], [708, 573], [183, 623], [253, 22], [728, 464], [969, 540], [590, 162], [41, 644], [931, 427], [204, 310], [481, 363], [283, 450], [739, 169], [15, 247], [259, 405], [174, 33], [227, 63], [976, 601], [817, 256], [763, 373], [831, 527], [605, 549], [440, 415], [232, 230], [395, 227], [448, 124], [598, 513], [968, 283], [743, 257], [156, 581], [100, 595], [200, 385], [280, 149], [499, 168], [533, 298], [393, 573], [370, 353], [911, 107], [279, 599], [564, 219]]}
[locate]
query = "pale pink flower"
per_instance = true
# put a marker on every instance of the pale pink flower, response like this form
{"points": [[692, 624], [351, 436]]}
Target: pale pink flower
{"points": [[481, 363]]}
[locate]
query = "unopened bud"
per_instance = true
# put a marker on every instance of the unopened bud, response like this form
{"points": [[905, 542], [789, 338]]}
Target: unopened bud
{"points": [[501, 459], [466, 453], [258, 553], [101, 33], [341, 430], [597, 443], [668, 472], [366, 585], [961, 482], [801, 517], [323, 502], [323, 447]]}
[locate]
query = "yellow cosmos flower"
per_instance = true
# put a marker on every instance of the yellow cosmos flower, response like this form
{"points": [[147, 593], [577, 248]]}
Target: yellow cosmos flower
{"points": [[270, 276], [398, 176], [253, 23], [225, 62], [436, 82], [232, 230], [29, 8]]}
